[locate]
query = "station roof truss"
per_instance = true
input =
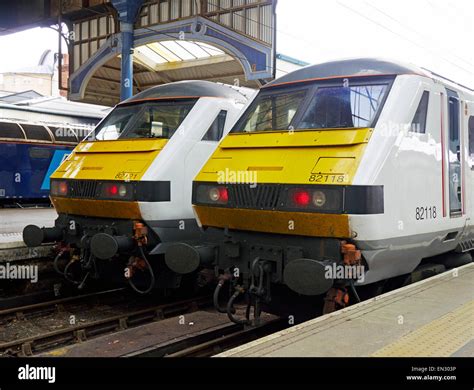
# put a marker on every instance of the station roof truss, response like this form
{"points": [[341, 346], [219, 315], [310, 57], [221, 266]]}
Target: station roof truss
{"points": [[228, 41]]}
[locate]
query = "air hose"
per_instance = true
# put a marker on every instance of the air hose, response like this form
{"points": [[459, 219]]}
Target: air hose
{"points": [[216, 297], [222, 279], [55, 263], [230, 309], [152, 275], [354, 291]]}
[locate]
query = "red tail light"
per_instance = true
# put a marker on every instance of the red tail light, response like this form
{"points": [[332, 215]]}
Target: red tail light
{"points": [[63, 188], [112, 190], [223, 194], [301, 198], [218, 195]]}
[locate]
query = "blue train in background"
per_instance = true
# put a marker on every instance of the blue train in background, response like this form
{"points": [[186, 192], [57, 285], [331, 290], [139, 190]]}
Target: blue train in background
{"points": [[36, 134], [29, 154]]}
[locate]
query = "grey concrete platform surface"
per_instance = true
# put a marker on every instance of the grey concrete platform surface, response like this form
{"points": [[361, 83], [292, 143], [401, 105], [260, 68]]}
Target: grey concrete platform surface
{"points": [[434, 317], [12, 222]]}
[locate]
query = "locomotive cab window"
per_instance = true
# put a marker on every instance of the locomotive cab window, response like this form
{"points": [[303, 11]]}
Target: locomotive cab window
{"points": [[216, 130], [271, 111], [316, 107], [418, 125], [342, 107], [144, 120]]}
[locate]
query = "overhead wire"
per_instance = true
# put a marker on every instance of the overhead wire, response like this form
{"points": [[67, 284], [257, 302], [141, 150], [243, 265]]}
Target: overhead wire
{"points": [[399, 35], [415, 31]]}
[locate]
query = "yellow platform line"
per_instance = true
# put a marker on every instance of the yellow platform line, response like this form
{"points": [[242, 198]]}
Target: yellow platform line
{"points": [[441, 337]]}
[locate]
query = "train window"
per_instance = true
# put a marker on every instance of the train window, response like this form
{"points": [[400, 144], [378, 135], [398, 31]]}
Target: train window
{"points": [[271, 112], [36, 132], [216, 130], [11, 130], [39, 152], [342, 107], [146, 120], [418, 125], [64, 134], [113, 126], [158, 120]]}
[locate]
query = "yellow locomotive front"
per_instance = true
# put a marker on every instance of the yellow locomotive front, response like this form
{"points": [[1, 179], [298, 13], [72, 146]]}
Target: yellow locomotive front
{"points": [[275, 198]]}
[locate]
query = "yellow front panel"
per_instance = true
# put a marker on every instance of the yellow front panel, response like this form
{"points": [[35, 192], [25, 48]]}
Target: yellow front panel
{"points": [[110, 160], [301, 157], [329, 157], [107, 160]]}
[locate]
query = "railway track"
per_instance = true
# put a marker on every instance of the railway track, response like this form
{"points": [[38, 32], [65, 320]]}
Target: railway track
{"points": [[227, 340], [42, 327], [31, 329]]}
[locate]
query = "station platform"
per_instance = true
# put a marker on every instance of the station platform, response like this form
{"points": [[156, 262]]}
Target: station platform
{"points": [[12, 222], [431, 318]]}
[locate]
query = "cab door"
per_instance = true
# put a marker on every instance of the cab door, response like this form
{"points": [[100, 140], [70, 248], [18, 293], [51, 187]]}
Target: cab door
{"points": [[469, 169]]}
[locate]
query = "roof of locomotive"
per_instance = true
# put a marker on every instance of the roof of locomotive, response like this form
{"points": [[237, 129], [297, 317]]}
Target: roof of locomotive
{"points": [[188, 89], [347, 68]]}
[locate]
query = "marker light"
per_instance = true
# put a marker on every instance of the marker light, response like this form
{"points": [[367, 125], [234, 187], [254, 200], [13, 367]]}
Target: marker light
{"points": [[218, 194], [301, 197], [62, 189], [122, 190], [319, 198], [211, 194], [113, 190]]}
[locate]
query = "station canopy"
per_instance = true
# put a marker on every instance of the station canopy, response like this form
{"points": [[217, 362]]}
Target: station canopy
{"points": [[164, 62], [229, 41]]}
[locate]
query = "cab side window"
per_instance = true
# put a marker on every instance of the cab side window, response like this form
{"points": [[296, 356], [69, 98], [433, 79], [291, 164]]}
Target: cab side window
{"points": [[471, 141], [215, 132], [418, 125]]}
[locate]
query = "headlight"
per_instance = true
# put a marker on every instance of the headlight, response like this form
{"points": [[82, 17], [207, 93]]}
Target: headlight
{"points": [[308, 198], [312, 199], [140, 191], [117, 191], [122, 190], [319, 198], [211, 194], [59, 188]]}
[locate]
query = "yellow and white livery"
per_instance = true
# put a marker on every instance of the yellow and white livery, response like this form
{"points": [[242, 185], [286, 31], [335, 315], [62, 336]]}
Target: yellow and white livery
{"points": [[358, 165], [126, 189]]}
